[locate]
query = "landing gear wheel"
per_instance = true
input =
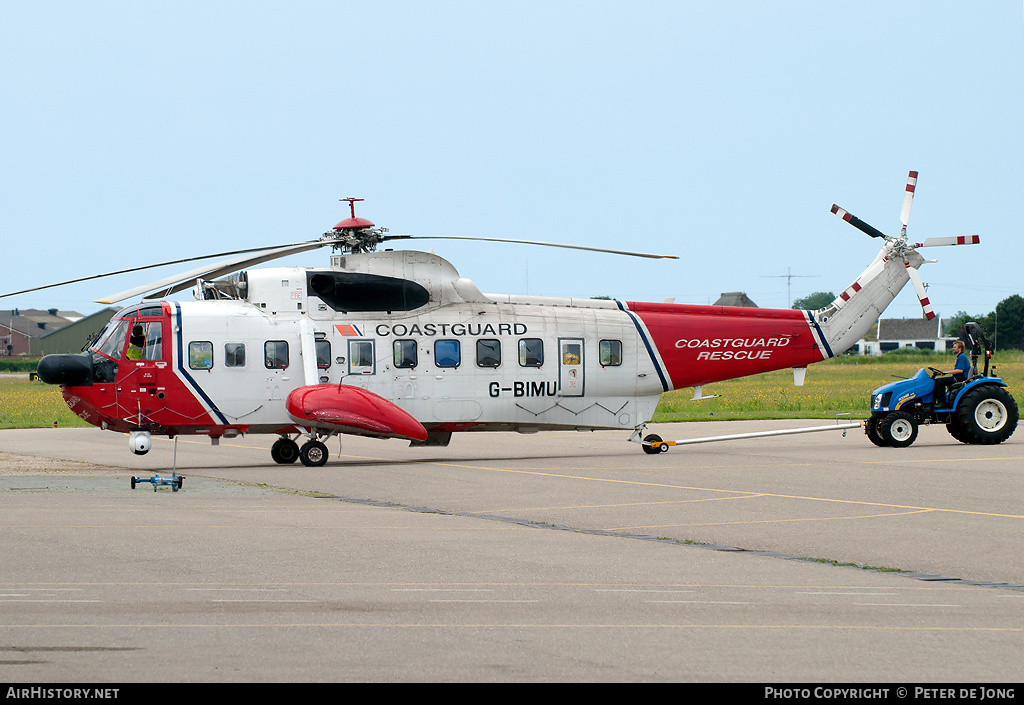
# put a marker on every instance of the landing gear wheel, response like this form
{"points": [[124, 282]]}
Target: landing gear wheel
{"points": [[313, 454], [871, 430], [987, 415], [284, 451], [656, 446], [899, 429]]}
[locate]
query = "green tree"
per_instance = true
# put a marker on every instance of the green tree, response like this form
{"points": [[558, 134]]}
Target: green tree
{"points": [[1008, 323], [812, 302], [951, 326]]}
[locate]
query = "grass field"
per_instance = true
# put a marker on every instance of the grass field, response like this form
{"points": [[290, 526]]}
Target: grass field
{"points": [[838, 386]]}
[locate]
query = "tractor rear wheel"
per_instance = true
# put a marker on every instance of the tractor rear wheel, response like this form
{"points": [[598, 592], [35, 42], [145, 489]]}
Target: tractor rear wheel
{"points": [[986, 415], [955, 430]]}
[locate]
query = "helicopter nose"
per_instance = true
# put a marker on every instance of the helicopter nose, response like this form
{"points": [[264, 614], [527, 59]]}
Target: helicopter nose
{"points": [[70, 370]]}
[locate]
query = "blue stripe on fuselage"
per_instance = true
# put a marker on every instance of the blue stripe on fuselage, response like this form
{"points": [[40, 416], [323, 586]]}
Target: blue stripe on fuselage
{"points": [[647, 343], [179, 343]]}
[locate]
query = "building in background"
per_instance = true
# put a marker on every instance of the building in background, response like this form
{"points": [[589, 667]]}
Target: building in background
{"points": [[75, 336], [21, 329]]}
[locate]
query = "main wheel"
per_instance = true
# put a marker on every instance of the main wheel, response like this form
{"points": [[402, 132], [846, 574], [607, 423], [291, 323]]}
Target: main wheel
{"points": [[284, 451], [987, 415], [899, 429], [655, 444], [871, 430], [313, 454]]}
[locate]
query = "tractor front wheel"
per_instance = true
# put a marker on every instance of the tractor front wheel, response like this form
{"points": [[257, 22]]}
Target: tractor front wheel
{"points": [[899, 429], [871, 430]]}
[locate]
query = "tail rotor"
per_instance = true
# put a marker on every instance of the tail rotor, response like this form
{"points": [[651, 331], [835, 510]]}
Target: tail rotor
{"points": [[899, 247]]}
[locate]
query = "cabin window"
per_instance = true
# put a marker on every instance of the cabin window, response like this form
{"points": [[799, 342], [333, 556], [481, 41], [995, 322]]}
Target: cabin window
{"points": [[610, 353], [323, 354], [405, 354], [447, 353], [275, 354], [531, 352], [234, 354], [488, 353], [200, 355]]}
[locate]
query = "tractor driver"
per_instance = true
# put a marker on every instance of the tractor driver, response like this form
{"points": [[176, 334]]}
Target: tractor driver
{"points": [[959, 373]]}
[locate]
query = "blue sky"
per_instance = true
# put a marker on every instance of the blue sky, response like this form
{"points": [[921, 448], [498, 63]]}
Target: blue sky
{"points": [[721, 132]]}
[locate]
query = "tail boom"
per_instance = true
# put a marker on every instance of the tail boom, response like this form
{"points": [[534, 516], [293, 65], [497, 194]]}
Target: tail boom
{"points": [[703, 344], [698, 345]]}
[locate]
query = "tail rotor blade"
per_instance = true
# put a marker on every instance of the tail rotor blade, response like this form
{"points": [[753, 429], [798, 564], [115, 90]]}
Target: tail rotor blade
{"points": [[857, 222], [940, 241], [908, 199], [915, 278]]}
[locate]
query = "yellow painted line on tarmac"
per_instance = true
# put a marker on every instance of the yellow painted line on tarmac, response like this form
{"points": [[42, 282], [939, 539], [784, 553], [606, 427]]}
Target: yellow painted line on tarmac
{"points": [[664, 485], [768, 521], [620, 505]]}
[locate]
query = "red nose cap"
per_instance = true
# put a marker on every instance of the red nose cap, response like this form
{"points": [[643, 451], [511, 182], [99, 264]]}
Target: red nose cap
{"points": [[353, 223]]}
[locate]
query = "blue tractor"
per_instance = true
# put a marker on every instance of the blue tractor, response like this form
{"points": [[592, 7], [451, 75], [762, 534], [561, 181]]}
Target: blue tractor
{"points": [[976, 410]]}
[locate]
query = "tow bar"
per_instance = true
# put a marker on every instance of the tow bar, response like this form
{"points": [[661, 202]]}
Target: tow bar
{"points": [[654, 444]]}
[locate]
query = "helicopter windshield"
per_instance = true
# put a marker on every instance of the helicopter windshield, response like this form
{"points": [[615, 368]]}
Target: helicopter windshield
{"points": [[111, 342]]}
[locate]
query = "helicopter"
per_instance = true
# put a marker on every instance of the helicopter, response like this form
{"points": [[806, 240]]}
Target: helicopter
{"points": [[397, 344]]}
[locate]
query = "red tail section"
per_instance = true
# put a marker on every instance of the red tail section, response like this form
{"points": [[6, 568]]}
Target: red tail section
{"points": [[703, 344]]}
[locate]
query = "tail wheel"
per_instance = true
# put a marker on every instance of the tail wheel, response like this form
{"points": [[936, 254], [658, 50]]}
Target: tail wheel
{"points": [[284, 451], [655, 444], [313, 454], [871, 430], [899, 429], [987, 415]]}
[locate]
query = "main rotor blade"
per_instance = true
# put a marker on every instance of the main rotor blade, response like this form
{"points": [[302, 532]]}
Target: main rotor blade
{"points": [[908, 198], [939, 241], [526, 242], [184, 280], [857, 222], [915, 278], [144, 267]]}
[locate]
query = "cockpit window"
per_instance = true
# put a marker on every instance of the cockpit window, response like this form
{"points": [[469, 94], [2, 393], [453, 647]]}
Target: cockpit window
{"points": [[112, 344]]}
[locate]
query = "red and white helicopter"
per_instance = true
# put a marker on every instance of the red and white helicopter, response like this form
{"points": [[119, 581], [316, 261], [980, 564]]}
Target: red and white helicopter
{"points": [[396, 344]]}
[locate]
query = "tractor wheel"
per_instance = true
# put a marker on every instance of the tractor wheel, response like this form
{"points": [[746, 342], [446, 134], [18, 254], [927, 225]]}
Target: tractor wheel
{"points": [[987, 415], [313, 454], [899, 429], [655, 444], [871, 430], [955, 430], [284, 451]]}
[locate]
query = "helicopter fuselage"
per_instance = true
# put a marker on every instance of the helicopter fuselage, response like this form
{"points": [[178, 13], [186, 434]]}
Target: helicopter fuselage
{"points": [[406, 328]]}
